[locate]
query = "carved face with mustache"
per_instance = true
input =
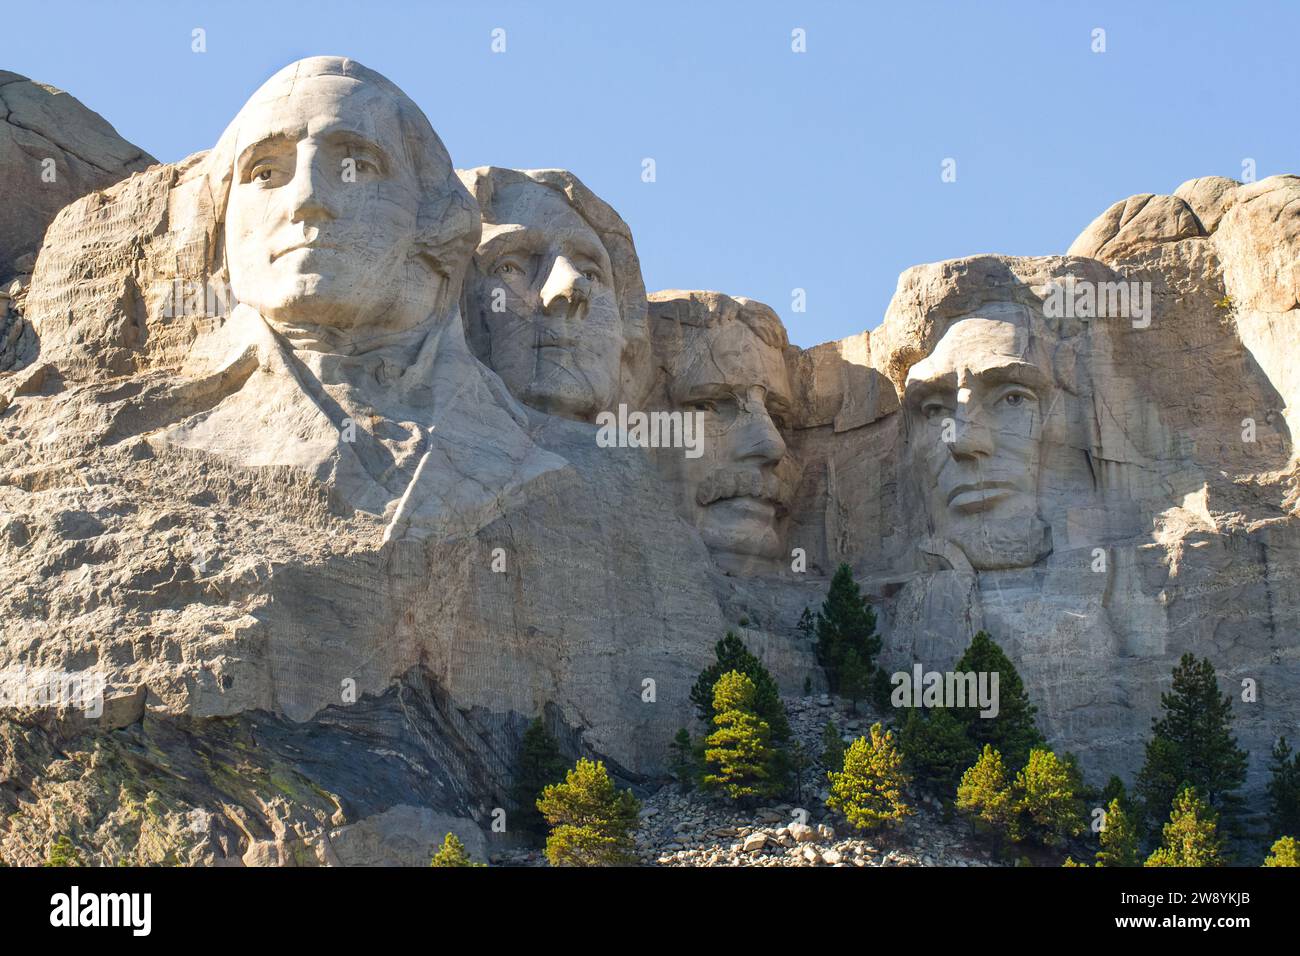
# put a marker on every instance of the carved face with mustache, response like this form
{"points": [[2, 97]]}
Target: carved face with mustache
{"points": [[737, 492]]}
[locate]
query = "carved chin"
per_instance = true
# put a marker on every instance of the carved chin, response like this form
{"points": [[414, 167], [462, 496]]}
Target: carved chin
{"points": [[997, 544], [562, 388], [730, 532]]}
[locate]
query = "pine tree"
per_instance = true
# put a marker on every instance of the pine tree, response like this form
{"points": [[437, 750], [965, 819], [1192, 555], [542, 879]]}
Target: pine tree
{"points": [[985, 793], [1119, 838], [1285, 852], [1191, 837], [1047, 808], [734, 656], [869, 791], [539, 763], [682, 762], [1012, 732], [936, 750], [807, 626], [1192, 745], [452, 853], [1284, 791], [832, 746], [855, 677], [845, 623], [1114, 790], [591, 821], [800, 761], [739, 755], [63, 853]]}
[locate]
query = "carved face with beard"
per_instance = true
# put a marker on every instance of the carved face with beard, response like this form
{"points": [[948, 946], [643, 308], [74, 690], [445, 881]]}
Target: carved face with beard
{"points": [[725, 363], [976, 411]]}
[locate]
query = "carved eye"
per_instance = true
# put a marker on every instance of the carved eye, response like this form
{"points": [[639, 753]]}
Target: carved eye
{"points": [[703, 406], [591, 275], [508, 268], [933, 410]]}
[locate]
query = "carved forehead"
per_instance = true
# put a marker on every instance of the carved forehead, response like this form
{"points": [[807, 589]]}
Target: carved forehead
{"points": [[321, 103], [537, 206], [996, 336], [728, 354]]}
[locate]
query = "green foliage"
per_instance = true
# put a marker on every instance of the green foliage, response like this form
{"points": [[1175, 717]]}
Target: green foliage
{"points": [[1285, 852], [1191, 837], [1114, 790], [682, 762], [807, 626], [800, 760], [846, 623], [869, 790], [832, 746], [937, 750], [1041, 804], [539, 764], [1047, 807], [739, 755], [880, 690], [1284, 791], [1012, 732], [452, 853], [985, 793], [1119, 837], [734, 656], [591, 820], [63, 853], [1192, 745], [855, 677]]}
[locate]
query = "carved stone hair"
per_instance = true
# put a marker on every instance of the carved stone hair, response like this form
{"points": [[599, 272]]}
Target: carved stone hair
{"points": [[675, 311]]}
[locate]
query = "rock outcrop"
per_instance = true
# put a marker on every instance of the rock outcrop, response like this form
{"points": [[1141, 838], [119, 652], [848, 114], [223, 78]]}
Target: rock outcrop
{"points": [[52, 150], [322, 487]]}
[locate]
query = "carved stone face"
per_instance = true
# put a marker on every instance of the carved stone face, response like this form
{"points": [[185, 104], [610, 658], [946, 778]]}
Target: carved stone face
{"points": [[737, 491], [323, 208], [542, 293], [976, 409]]}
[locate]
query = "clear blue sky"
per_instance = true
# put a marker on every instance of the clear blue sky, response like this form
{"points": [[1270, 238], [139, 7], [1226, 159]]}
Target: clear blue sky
{"points": [[775, 170]]}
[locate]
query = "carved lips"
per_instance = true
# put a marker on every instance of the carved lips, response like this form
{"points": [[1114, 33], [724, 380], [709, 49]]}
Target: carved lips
{"points": [[979, 496]]}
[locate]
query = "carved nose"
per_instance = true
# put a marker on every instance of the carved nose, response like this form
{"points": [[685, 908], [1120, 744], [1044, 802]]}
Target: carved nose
{"points": [[310, 191], [565, 289], [971, 438], [760, 438]]}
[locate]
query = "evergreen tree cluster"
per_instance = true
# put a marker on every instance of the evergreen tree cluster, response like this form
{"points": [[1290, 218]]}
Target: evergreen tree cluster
{"points": [[1039, 804], [941, 743]]}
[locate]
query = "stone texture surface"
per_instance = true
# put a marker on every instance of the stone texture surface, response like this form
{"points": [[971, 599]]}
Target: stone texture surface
{"points": [[52, 150], [329, 559]]}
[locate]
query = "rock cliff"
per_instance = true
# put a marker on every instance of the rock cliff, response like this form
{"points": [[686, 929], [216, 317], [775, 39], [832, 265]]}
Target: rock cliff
{"points": [[323, 482]]}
